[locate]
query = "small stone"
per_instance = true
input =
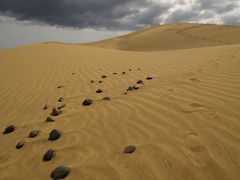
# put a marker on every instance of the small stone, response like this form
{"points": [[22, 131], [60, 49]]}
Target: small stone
{"points": [[73, 73], [54, 135], [60, 99], [55, 112], [130, 88], [104, 76], [107, 98], [123, 72], [130, 69], [135, 87], [129, 149], [149, 78], [45, 107], [49, 119], [61, 106], [33, 134], [20, 145], [100, 81], [9, 129], [139, 69], [60, 86], [99, 91], [115, 73], [87, 102], [60, 172], [125, 93], [92, 81], [49, 155], [140, 82]]}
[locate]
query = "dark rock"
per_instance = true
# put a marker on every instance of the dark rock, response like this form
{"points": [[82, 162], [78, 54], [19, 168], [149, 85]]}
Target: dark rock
{"points": [[99, 91], [92, 81], [123, 72], [33, 134], [55, 112], [49, 119], [61, 106], [106, 98], [100, 81], [115, 73], [135, 87], [104, 76], [49, 155], [140, 82], [73, 73], [130, 88], [125, 93], [20, 144], [60, 86], [45, 107], [149, 78], [54, 135], [60, 99], [9, 129], [60, 172], [87, 102], [130, 69], [129, 149], [139, 69]]}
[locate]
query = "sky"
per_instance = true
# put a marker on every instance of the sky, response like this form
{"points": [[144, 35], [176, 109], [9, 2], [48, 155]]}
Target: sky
{"points": [[74, 21]]}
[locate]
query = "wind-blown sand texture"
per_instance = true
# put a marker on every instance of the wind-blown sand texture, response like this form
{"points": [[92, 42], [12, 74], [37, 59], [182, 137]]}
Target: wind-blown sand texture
{"points": [[185, 122]]}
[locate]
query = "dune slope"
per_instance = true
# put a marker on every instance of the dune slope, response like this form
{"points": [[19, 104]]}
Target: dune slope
{"points": [[174, 36], [184, 122]]}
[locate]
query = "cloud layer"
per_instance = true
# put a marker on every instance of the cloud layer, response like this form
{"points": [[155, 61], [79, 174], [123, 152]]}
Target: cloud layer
{"points": [[121, 14]]}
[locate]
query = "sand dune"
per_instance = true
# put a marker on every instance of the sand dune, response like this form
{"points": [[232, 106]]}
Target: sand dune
{"points": [[184, 122], [174, 36]]}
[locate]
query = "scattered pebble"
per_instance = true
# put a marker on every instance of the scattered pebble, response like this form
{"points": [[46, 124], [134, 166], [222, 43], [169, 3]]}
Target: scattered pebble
{"points": [[115, 73], [60, 86], [130, 69], [87, 102], [99, 91], [45, 107], [55, 112], [129, 149], [139, 69], [123, 72], [140, 82], [49, 155], [130, 88], [100, 81], [104, 76], [149, 78], [125, 93], [20, 144], [61, 106], [135, 87], [49, 119], [9, 129], [60, 172], [33, 133], [107, 98], [60, 99], [92, 81], [54, 135], [73, 73]]}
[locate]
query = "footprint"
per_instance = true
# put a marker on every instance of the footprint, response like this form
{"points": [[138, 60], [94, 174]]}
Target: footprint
{"points": [[203, 109]]}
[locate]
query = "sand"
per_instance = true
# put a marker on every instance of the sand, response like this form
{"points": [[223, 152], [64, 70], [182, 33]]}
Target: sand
{"points": [[184, 123]]}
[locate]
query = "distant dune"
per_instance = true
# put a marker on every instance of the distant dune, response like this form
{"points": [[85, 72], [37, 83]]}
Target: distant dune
{"points": [[174, 36], [183, 118]]}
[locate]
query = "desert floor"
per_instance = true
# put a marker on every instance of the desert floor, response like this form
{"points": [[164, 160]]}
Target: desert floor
{"points": [[185, 122]]}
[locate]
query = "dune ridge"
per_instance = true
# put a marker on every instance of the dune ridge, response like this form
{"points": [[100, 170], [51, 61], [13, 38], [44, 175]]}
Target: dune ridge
{"points": [[184, 122]]}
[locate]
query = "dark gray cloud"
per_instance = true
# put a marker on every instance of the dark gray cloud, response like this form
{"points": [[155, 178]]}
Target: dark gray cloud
{"points": [[120, 14]]}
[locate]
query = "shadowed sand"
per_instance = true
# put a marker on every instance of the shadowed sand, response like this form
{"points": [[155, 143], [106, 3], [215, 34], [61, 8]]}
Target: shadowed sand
{"points": [[184, 122]]}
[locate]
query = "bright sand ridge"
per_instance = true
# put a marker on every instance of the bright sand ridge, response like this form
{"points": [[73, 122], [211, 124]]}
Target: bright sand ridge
{"points": [[184, 122]]}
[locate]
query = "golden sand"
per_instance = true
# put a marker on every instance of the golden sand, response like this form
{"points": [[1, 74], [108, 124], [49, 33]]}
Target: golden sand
{"points": [[185, 122]]}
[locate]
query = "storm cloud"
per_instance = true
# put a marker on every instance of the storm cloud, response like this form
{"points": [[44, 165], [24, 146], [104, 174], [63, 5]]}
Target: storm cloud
{"points": [[120, 14]]}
